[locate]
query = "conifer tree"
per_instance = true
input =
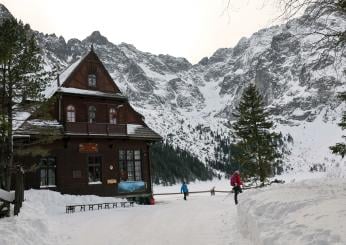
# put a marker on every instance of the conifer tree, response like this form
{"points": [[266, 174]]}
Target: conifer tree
{"points": [[258, 152], [340, 148], [22, 78], [172, 164]]}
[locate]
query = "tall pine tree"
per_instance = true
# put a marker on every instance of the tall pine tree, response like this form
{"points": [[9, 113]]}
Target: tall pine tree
{"points": [[22, 78], [258, 154], [340, 148]]}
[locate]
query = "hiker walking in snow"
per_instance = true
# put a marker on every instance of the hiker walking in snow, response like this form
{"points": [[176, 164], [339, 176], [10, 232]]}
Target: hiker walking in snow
{"points": [[184, 190], [236, 183]]}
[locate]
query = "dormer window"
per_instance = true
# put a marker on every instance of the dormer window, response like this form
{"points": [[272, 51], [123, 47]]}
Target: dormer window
{"points": [[71, 113], [92, 80], [112, 116], [91, 114]]}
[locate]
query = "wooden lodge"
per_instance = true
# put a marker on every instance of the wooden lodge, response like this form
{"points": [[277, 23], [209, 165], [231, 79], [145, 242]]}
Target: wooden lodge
{"points": [[103, 144]]}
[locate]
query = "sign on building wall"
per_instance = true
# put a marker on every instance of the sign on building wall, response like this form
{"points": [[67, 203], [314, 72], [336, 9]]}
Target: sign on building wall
{"points": [[88, 148], [111, 181], [131, 186]]}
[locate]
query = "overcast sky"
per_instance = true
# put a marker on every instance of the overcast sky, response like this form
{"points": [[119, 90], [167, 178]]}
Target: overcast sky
{"points": [[186, 28]]}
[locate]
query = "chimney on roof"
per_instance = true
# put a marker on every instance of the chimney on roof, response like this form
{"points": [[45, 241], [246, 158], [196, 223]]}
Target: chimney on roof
{"points": [[92, 47], [58, 81]]}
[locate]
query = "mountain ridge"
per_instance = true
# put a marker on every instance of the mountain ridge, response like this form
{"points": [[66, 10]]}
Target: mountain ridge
{"points": [[191, 104]]}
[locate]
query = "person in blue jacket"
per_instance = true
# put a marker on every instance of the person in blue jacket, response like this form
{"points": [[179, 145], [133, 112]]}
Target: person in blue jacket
{"points": [[184, 190]]}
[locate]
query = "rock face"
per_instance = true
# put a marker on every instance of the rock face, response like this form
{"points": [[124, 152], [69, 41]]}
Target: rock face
{"points": [[190, 104]]}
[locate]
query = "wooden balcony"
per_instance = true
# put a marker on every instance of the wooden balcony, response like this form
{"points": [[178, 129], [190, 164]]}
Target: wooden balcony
{"points": [[85, 128]]}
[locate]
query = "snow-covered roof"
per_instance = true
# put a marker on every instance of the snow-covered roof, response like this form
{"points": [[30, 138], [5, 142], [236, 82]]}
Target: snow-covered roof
{"points": [[19, 118], [63, 77], [90, 93], [50, 90], [131, 128], [140, 131], [39, 127], [133, 131], [68, 71], [27, 126]]}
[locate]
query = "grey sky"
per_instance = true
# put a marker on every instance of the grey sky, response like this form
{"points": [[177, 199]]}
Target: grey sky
{"points": [[187, 28]]}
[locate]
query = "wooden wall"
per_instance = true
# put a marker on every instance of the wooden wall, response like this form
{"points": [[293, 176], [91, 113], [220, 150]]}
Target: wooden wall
{"points": [[66, 150], [91, 65], [69, 159], [125, 113]]}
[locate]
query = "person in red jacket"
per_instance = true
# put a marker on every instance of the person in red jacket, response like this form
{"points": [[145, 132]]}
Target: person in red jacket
{"points": [[236, 183]]}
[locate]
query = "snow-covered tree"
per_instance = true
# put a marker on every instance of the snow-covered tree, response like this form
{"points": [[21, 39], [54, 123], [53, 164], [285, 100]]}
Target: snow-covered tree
{"points": [[22, 78]]}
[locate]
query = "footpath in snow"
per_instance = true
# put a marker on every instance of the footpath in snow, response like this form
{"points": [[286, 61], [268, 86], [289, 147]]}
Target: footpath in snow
{"points": [[309, 212]]}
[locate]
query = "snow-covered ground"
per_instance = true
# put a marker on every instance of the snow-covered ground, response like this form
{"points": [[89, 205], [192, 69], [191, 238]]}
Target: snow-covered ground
{"points": [[308, 212], [299, 212]]}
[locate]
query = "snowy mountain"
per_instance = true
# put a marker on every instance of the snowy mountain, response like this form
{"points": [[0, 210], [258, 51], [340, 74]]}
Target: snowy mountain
{"points": [[191, 105]]}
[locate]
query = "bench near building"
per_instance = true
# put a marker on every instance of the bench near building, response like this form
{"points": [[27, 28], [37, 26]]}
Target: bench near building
{"points": [[102, 144]]}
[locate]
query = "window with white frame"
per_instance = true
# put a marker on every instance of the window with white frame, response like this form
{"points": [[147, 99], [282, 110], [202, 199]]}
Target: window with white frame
{"points": [[112, 116], [71, 113], [92, 114], [92, 80]]}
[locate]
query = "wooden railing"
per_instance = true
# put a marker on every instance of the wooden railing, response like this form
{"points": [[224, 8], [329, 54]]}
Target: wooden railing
{"points": [[95, 128]]}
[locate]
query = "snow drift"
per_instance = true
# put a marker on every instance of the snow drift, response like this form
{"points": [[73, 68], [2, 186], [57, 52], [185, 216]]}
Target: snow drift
{"points": [[308, 212]]}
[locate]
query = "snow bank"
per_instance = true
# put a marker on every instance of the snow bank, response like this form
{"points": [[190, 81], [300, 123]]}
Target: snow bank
{"points": [[309, 212], [311, 142], [6, 196], [40, 219]]}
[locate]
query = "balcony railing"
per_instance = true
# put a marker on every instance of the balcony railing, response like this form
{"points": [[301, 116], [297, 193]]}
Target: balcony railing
{"points": [[95, 128]]}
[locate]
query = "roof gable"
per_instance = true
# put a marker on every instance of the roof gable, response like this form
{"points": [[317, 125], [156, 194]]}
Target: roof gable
{"points": [[76, 76]]}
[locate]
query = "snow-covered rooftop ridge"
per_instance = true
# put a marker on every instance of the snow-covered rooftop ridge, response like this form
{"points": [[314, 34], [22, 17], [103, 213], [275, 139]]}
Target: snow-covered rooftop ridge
{"points": [[90, 92]]}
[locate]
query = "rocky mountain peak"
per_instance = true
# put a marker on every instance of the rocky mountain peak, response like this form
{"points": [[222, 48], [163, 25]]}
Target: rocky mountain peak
{"points": [[128, 46], [176, 64], [190, 104], [96, 38]]}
